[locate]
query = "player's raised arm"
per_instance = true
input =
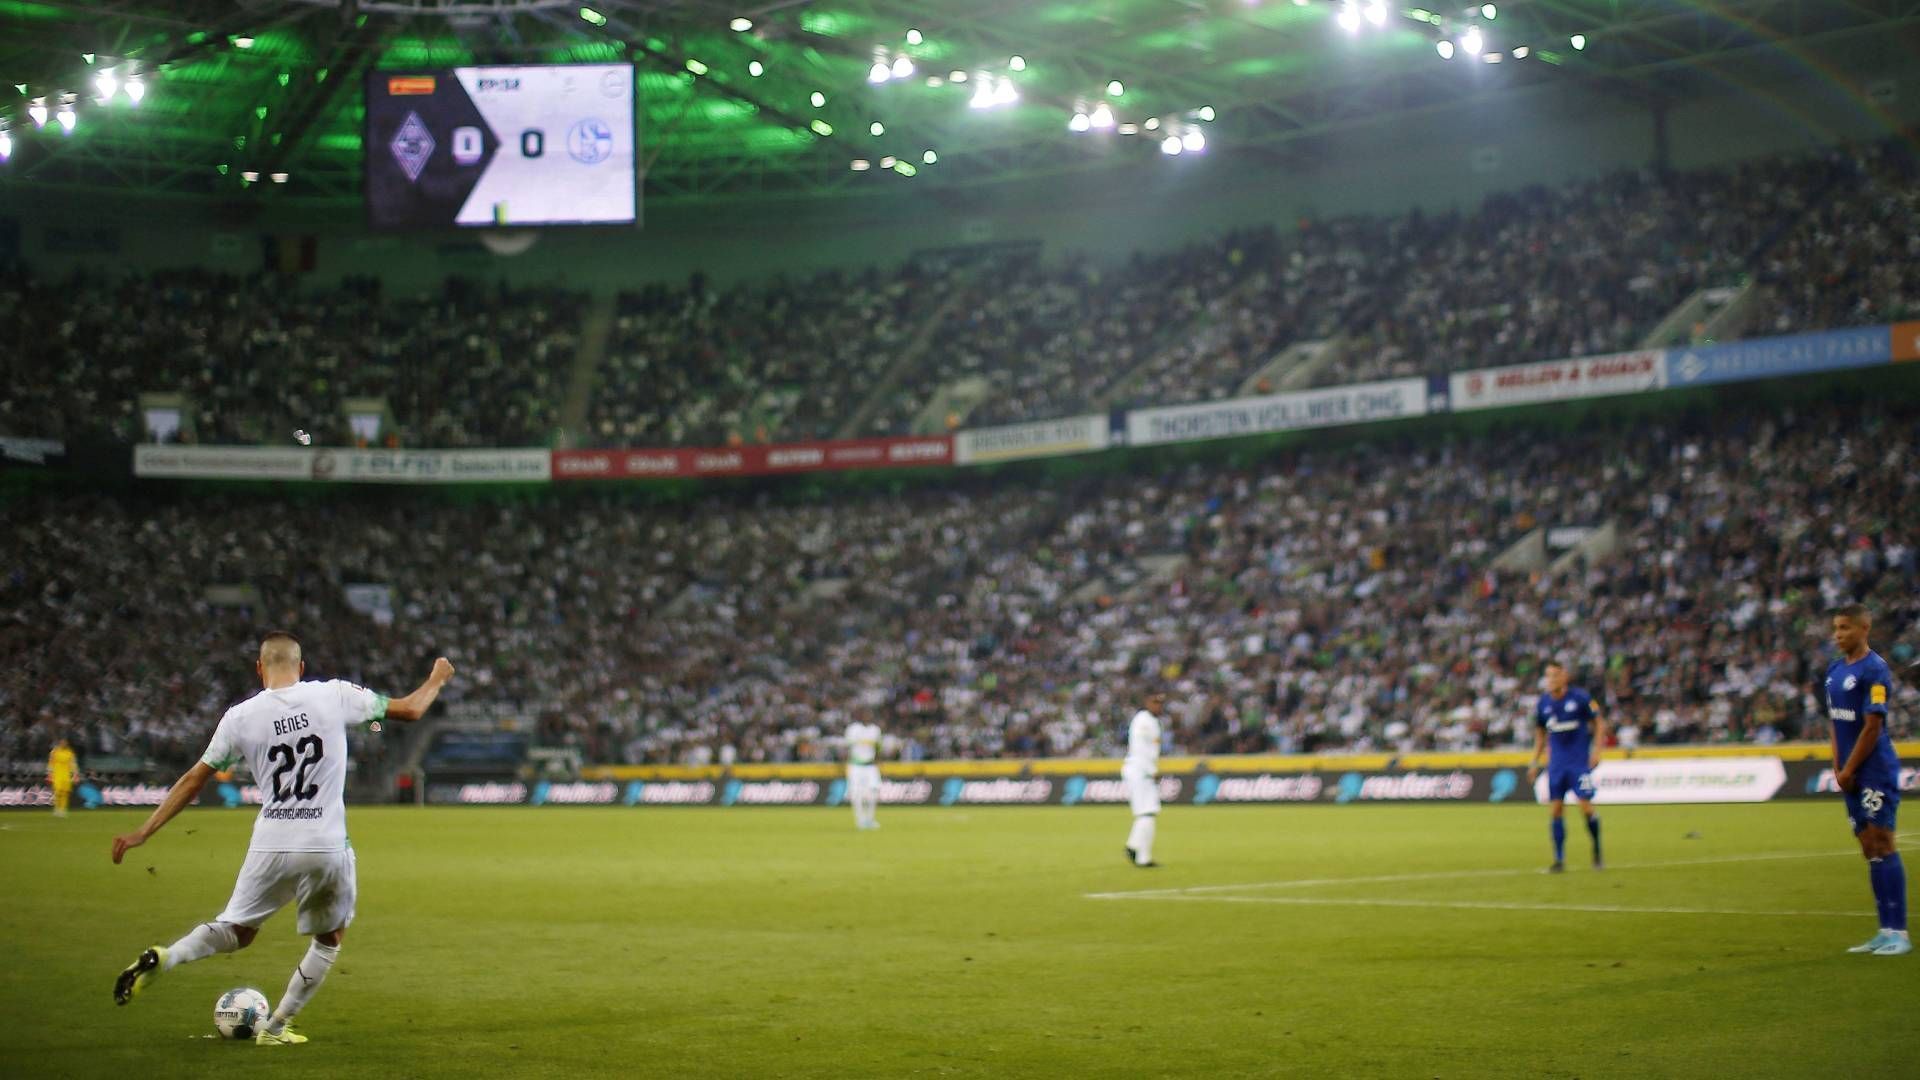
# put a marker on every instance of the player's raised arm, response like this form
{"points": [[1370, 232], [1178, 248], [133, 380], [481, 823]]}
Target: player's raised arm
{"points": [[415, 705], [184, 792]]}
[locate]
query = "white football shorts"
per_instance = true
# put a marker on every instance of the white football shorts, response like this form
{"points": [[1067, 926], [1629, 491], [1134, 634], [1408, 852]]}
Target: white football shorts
{"points": [[1143, 791], [320, 882], [863, 779]]}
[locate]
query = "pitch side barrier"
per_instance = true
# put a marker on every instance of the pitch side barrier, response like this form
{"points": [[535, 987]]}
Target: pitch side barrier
{"points": [[1678, 774], [1717, 774], [1637, 372]]}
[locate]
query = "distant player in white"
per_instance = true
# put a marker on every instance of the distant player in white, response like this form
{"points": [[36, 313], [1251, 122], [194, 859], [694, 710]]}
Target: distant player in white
{"points": [[863, 775], [1141, 774], [294, 736]]}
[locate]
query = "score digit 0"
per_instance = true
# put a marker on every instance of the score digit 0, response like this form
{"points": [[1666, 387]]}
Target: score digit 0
{"points": [[468, 147], [533, 143]]}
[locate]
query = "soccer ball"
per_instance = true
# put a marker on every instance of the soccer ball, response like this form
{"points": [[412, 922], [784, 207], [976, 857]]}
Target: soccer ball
{"points": [[240, 1013]]}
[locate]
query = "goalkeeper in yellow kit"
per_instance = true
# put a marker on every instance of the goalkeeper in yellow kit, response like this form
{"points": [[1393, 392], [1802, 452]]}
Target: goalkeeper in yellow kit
{"points": [[62, 770]]}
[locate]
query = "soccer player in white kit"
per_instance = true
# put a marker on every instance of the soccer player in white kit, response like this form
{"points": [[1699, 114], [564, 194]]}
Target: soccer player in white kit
{"points": [[294, 736], [863, 775], [1140, 772]]}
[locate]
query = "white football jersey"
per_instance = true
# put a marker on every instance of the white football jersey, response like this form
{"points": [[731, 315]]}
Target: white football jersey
{"points": [[295, 741], [1143, 742], [863, 744]]}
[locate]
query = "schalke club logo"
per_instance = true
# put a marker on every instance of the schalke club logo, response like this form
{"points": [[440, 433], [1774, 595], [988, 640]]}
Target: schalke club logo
{"points": [[590, 142]]}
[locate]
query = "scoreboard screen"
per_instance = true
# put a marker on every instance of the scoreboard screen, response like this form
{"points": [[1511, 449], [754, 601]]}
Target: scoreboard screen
{"points": [[501, 146]]}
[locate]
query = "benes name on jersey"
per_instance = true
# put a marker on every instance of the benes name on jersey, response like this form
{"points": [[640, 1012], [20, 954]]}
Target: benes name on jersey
{"points": [[287, 725]]}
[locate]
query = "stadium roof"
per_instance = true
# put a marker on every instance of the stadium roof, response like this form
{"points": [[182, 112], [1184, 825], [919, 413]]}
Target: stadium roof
{"points": [[265, 87]]}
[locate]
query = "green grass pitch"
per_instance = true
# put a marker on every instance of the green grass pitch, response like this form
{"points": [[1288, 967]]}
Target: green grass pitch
{"points": [[560, 942]]}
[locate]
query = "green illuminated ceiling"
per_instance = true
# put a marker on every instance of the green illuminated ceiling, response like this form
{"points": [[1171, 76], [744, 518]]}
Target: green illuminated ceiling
{"points": [[273, 85]]}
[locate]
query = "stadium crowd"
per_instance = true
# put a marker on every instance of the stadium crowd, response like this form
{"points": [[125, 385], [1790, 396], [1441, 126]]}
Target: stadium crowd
{"points": [[1856, 260], [1584, 268], [1341, 596], [1052, 340], [468, 365], [701, 366]]}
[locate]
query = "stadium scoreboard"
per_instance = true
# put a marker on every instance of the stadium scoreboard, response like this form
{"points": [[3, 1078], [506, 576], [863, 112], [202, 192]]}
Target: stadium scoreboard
{"points": [[515, 145]]}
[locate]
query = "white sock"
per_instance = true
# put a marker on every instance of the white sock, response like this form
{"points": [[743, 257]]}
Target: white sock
{"points": [[201, 942], [1141, 839], [306, 979]]}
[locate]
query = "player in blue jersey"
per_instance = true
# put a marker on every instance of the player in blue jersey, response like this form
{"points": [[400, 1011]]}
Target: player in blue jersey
{"points": [[1568, 728], [1867, 770]]}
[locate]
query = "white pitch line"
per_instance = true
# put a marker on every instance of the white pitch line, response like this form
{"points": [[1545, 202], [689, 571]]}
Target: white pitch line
{"points": [[1490, 905], [1455, 875]]}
